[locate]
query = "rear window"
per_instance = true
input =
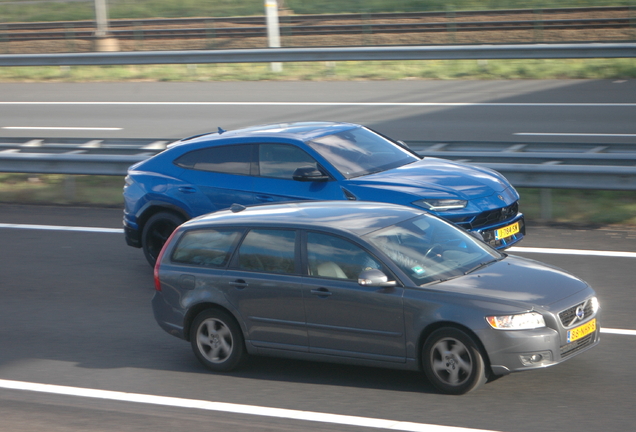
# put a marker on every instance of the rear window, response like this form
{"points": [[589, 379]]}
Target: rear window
{"points": [[207, 247], [233, 159]]}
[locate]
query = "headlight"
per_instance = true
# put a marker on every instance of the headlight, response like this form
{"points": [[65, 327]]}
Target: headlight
{"points": [[441, 204], [595, 304], [524, 321]]}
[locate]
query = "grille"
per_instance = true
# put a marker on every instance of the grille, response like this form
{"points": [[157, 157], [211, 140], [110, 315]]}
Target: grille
{"points": [[568, 316], [494, 216], [577, 345]]}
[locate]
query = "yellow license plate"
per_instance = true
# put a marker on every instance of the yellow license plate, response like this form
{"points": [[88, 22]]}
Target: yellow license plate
{"points": [[507, 231], [581, 331]]}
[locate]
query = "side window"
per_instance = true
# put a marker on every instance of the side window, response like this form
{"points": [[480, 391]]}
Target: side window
{"points": [[267, 250], [232, 159], [281, 160], [334, 257], [206, 247]]}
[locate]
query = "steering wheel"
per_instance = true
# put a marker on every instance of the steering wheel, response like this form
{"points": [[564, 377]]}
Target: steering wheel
{"points": [[434, 252]]}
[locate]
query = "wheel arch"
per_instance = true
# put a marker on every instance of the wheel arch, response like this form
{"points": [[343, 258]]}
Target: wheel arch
{"points": [[424, 335], [153, 207], [197, 309]]}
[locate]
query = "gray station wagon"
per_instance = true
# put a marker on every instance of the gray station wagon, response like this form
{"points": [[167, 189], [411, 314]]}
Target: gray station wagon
{"points": [[370, 284]]}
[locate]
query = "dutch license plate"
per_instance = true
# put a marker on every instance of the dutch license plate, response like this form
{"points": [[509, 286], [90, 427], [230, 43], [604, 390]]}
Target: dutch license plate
{"points": [[581, 331], [507, 231]]}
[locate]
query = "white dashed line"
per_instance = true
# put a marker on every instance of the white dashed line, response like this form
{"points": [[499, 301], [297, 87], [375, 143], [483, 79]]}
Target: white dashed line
{"points": [[62, 128], [365, 104], [62, 228]]}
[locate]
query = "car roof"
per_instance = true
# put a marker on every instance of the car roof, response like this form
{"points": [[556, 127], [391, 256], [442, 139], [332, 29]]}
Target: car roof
{"points": [[303, 131], [359, 217]]}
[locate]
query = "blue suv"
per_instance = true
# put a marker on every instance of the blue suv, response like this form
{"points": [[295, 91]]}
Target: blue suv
{"points": [[309, 161]]}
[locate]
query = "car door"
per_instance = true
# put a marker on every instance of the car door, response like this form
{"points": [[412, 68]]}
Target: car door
{"points": [[222, 174], [276, 165], [343, 317], [267, 289]]}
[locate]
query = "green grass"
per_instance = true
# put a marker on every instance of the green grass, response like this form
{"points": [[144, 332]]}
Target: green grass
{"points": [[341, 71], [577, 207], [61, 189], [218, 8]]}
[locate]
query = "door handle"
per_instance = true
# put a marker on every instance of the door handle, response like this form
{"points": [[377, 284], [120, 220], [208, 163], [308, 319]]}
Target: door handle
{"points": [[187, 189], [239, 283], [321, 292], [264, 198]]}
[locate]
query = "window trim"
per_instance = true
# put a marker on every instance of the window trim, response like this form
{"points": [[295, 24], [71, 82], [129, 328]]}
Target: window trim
{"points": [[233, 263], [250, 164], [231, 251], [305, 257]]}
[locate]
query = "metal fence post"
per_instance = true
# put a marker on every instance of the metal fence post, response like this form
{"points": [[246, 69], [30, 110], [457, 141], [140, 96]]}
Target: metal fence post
{"points": [[273, 31]]}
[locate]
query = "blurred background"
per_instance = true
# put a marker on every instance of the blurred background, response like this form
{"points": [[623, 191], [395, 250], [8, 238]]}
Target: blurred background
{"points": [[222, 24]]}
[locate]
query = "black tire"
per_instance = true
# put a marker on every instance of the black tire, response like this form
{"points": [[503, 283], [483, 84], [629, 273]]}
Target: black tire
{"points": [[156, 232], [453, 362], [217, 340]]}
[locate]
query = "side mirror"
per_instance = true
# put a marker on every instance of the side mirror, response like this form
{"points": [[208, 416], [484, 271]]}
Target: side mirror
{"points": [[477, 235], [309, 174], [375, 277]]}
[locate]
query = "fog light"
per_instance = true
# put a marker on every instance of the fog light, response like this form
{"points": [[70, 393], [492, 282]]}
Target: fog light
{"points": [[535, 359]]}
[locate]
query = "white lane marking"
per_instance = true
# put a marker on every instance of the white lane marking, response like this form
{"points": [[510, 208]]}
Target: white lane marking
{"points": [[574, 134], [618, 331], [233, 408], [367, 104], [62, 228], [512, 249], [62, 128], [573, 252]]}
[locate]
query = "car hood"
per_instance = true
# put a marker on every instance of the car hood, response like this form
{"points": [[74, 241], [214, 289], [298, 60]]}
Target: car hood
{"points": [[434, 178], [518, 280]]}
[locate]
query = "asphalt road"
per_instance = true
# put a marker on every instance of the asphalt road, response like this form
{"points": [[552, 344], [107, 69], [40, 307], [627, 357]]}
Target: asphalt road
{"points": [[75, 311], [565, 110], [75, 307]]}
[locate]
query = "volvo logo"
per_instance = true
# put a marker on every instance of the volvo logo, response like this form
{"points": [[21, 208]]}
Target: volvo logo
{"points": [[580, 312]]}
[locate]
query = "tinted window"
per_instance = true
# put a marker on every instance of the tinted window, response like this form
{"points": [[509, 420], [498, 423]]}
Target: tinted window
{"points": [[269, 251], [359, 151], [280, 160], [233, 159], [208, 247], [334, 257]]}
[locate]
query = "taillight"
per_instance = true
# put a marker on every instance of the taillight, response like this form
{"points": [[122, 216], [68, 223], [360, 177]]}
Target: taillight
{"points": [[159, 258]]}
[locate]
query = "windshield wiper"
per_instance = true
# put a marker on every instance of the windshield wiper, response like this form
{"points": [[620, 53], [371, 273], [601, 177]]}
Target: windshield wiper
{"points": [[440, 280], [482, 265]]}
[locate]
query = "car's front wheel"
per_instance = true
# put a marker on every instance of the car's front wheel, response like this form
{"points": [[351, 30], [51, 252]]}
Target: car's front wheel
{"points": [[217, 340], [156, 232], [453, 362]]}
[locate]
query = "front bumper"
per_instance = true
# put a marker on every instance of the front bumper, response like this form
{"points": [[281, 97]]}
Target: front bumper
{"points": [[490, 237], [515, 351]]}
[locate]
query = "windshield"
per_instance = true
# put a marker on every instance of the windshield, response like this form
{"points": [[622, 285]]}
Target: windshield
{"points": [[359, 151], [429, 250]]}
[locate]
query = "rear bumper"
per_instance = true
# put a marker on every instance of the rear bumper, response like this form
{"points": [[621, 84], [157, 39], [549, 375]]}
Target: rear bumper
{"points": [[131, 234]]}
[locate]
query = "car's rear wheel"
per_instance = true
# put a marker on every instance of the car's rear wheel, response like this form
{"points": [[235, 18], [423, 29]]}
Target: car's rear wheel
{"points": [[453, 362], [156, 232], [217, 340]]}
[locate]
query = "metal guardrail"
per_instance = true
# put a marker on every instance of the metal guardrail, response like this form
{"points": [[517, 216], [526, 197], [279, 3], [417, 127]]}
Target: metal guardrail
{"points": [[575, 166], [268, 55]]}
